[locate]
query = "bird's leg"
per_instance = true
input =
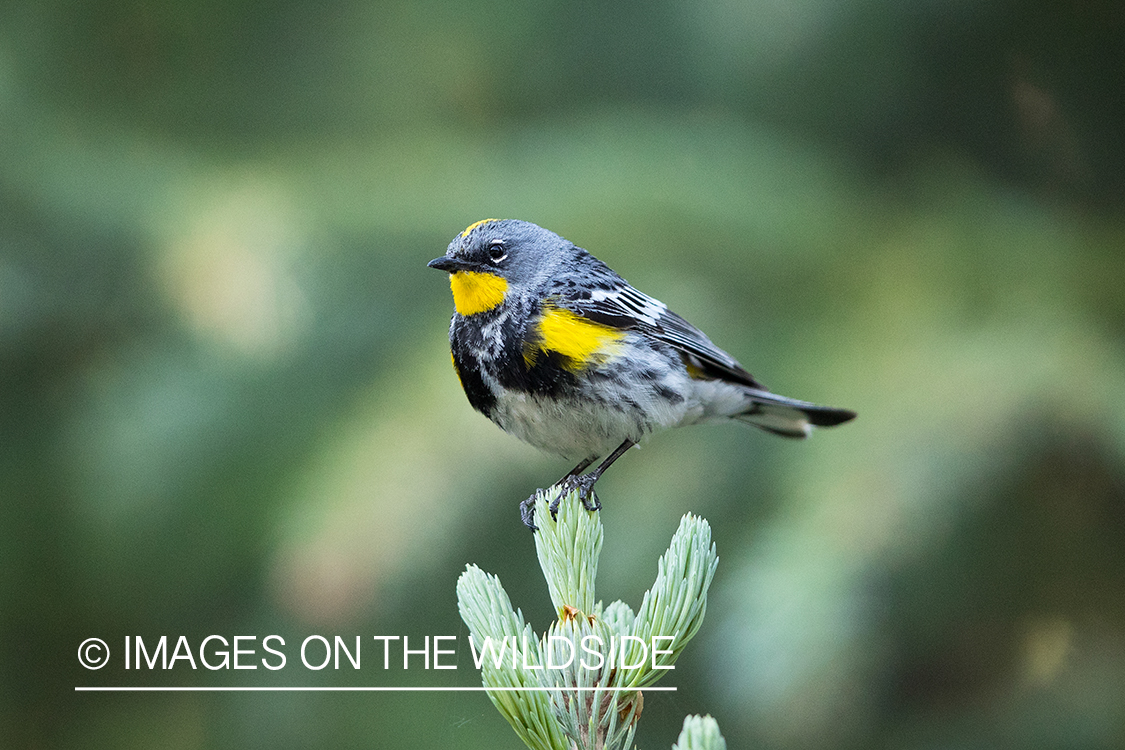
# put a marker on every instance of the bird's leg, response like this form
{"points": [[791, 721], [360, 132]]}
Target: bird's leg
{"points": [[585, 482], [527, 507], [575, 479], [581, 467]]}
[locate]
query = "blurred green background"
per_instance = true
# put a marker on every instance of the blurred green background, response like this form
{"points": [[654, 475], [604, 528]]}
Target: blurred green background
{"points": [[226, 405]]}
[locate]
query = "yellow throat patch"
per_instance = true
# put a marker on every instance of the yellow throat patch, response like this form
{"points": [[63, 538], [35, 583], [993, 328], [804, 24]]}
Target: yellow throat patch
{"points": [[581, 342], [476, 292]]}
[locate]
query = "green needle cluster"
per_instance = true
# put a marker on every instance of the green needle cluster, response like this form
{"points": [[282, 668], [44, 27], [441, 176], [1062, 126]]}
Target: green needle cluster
{"points": [[579, 684]]}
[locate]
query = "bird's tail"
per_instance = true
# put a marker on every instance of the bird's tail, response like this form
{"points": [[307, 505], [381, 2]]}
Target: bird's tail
{"points": [[789, 417]]}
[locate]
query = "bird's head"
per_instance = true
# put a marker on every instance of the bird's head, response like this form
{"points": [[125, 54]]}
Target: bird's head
{"points": [[495, 258]]}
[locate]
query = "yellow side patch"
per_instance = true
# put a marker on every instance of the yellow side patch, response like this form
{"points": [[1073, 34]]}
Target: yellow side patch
{"points": [[474, 225], [476, 292], [693, 370], [581, 342], [455, 370]]}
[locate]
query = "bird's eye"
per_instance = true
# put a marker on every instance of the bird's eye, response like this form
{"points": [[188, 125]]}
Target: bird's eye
{"points": [[496, 251]]}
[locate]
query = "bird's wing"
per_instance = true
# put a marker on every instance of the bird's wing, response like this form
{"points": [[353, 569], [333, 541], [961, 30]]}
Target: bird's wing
{"points": [[625, 308]]}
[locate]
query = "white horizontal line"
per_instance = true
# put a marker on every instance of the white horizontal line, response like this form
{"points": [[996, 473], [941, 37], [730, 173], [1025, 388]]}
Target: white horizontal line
{"points": [[338, 689]]}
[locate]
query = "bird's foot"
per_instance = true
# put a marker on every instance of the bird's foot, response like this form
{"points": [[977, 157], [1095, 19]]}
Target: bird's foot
{"points": [[584, 483], [527, 512]]}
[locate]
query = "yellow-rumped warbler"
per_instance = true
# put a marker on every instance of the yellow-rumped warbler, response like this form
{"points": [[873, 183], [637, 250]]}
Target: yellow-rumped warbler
{"points": [[560, 351]]}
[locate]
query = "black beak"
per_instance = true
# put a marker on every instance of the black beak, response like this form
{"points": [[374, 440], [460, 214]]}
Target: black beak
{"points": [[450, 265]]}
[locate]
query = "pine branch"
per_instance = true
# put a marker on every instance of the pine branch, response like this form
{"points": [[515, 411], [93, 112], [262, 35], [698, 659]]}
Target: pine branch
{"points": [[589, 649]]}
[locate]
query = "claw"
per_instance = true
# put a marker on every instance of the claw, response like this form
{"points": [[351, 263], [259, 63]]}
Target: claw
{"points": [[584, 483], [527, 512]]}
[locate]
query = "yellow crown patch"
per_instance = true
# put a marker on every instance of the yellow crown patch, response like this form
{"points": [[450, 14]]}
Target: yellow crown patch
{"points": [[474, 225]]}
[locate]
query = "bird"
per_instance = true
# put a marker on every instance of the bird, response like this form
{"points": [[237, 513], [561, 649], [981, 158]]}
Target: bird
{"points": [[560, 351]]}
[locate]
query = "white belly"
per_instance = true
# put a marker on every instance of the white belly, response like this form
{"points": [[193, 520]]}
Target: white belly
{"points": [[614, 404]]}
